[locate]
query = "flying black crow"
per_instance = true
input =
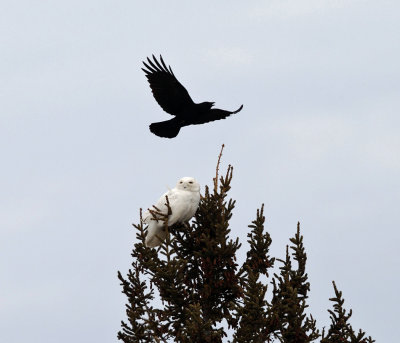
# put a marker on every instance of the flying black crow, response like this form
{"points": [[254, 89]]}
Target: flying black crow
{"points": [[175, 99]]}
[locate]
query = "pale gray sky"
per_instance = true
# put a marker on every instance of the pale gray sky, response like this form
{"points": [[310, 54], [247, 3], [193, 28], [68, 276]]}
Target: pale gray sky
{"points": [[317, 141]]}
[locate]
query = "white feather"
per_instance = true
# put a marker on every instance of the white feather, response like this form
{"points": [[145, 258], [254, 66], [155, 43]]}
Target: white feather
{"points": [[183, 200]]}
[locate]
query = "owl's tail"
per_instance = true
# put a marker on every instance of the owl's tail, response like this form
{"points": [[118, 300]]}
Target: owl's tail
{"points": [[156, 234], [169, 128]]}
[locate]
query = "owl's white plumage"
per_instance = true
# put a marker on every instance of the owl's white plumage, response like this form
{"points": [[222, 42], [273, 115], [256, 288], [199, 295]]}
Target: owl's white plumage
{"points": [[183, 200]]}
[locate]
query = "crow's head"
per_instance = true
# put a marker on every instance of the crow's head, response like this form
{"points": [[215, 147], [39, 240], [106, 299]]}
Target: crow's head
{"points": [[205, 106]]}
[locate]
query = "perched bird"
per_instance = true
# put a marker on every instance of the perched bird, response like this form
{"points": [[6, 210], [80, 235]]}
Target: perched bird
{"points": [[175, 99], [183, 201]]}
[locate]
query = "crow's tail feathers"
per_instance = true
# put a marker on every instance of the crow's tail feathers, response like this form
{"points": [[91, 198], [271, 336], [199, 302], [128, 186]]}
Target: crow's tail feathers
{"points": [[167, 129]]}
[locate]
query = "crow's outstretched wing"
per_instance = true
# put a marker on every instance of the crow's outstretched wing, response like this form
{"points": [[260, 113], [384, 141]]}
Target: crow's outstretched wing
{"points": [[214, 114], [167, 90]]}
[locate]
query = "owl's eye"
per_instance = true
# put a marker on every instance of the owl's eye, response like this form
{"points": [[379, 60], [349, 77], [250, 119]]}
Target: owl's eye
{"points": [[190, 182]]}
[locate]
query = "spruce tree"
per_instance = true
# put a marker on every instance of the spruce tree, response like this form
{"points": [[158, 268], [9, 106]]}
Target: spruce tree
{"points": [[340, 330], [191, 288]]}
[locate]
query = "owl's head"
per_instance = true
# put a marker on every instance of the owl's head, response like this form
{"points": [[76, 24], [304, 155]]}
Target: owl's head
{"points": [[188, 184]]}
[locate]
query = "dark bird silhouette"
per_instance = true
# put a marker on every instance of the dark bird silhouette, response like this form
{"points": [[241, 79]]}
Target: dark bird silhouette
{"points": [[175, 99]]}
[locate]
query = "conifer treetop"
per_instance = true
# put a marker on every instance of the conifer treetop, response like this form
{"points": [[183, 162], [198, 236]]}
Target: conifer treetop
{"points": [[191, 288]]}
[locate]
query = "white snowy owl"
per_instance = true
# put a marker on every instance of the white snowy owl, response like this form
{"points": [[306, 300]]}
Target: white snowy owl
{"points": [[183, 200]]}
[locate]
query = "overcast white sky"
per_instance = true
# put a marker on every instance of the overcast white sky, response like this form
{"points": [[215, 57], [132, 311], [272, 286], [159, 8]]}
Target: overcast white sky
{"points": [[317, 142]]}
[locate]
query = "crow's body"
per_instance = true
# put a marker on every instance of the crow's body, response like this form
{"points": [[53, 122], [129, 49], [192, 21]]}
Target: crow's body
{"points": [[175, 99]]}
